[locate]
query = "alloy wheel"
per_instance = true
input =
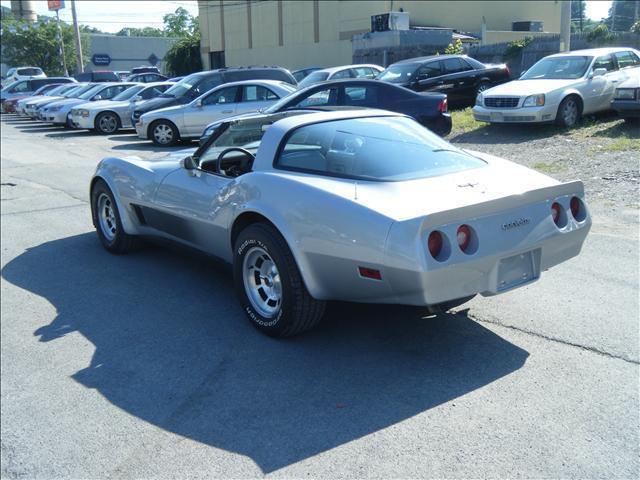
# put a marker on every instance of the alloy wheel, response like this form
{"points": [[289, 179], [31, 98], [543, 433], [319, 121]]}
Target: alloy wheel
{"points": [[107, 217], [262, 282]]}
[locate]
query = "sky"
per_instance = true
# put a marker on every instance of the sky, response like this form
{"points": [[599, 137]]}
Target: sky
{"points": [[112, 16]]}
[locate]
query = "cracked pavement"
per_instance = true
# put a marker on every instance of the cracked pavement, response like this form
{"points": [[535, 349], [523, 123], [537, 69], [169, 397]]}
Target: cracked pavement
{"points": [[144, 366]]}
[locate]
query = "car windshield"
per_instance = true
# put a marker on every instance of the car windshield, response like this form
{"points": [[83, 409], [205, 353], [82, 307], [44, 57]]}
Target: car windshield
{"points": [[245, 134], [374, 148], [74, 92], [555, 68], [183, 86], [399, 73], [313, 77], [128, 93], [91, 92], [29, 71], [11, 85], [58, 90]]}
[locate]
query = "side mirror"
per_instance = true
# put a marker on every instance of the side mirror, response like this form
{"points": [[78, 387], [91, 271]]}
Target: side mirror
{"points": [[189, 163], [98, 97], [598, 72], [137, 98], [198, 103]]}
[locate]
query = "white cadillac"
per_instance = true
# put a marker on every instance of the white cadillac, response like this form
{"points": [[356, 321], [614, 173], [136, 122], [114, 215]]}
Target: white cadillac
{"points": [[108, 116], [560, 88], [166, 126]]}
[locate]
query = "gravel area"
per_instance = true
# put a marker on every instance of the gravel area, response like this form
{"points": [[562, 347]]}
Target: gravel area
{"points": [[602, 152]]}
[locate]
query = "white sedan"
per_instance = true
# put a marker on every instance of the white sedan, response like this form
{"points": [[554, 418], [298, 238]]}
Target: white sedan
{"points": [[560, 88], [108, 116], [168, 125]]}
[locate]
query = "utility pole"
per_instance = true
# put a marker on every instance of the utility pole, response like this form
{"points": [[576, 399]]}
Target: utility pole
{"points": [[614, 7], [64, 61], [76, 30], [565, 26]]}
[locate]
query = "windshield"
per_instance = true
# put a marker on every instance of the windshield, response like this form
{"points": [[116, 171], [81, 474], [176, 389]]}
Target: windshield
{"points": [[11, 85], [376, 148], [128, 93], [59, 89], [399, 73], [246, 134], [74, 92], [556, 68], [91, 92], [313, 77], [183, 86]]}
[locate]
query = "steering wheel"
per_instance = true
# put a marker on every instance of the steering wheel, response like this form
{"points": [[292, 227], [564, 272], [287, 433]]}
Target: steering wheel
{"points": [[246, 164]]}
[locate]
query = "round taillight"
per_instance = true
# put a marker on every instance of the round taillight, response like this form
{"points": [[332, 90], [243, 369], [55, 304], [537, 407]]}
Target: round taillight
{"points": [[435, 243], [464, 237], [575, 207], [555, 213]]}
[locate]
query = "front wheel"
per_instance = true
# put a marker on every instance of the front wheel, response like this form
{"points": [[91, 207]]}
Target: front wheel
{"points": [[269, 284], [106, 219], [164, 133], [568, 112], [107, 122]]}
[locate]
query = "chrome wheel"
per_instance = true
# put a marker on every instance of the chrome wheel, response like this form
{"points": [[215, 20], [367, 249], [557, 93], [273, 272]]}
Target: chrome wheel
{"points": [[569, 112], [108, 123], [262, 282], [163, 133], [482, 87], [107, 217]]}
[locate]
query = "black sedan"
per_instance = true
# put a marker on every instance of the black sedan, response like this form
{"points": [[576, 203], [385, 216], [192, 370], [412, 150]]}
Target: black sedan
{"points": [[626, 100], [429, 109], [459, 76]]}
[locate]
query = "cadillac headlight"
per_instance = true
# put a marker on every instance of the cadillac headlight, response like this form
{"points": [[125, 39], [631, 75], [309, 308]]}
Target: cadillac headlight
{"points": [[83, 113], [534, 100], [480, 99], [626, 93]]}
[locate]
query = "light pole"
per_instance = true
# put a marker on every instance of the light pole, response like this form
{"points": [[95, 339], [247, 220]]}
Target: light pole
{"points": [[76, 30], [64, 61]]}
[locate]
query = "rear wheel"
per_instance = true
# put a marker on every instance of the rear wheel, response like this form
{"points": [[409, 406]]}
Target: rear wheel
{"points": [[163, 133], [106, 219], [569, 112], [107, 122], [269, 284], [482, 87]]}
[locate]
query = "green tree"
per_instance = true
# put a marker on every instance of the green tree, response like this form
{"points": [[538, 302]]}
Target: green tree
{"points": [[578, 8], [180, 23], [183, 57], [141, 32], [24, 44], [454, 48], [622, 15]]}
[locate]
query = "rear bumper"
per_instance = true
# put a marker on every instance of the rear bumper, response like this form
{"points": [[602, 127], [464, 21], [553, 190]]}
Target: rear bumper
{"points": [[546, 113], [440, 125]]}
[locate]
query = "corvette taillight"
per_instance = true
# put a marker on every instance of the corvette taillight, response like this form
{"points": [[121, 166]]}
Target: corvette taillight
{"points": [[575, 207], [464, 237], [555, 213], [434, 243], [443, 107]]}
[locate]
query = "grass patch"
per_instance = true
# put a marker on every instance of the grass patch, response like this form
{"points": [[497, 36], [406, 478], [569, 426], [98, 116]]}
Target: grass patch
{"points": [[621, 144], [463, 121], [548, 167]]}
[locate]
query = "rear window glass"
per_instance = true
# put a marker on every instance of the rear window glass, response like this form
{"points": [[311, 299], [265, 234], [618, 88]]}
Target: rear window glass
{"points": [[31, 71], [377, 148], [101, 76]]}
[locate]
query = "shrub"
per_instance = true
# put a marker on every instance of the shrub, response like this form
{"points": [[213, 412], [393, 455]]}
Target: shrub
{"points": [[515, 48]]}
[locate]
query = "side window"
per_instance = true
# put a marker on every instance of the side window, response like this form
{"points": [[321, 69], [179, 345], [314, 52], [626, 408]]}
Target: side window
{"points": [[361, 96], [257, 93], [206, 85], [605, 61], [225, 95], [627, 59], [430, 70], [364, 72], [148, 93], [454, 65], [341, 74], [298, 76], [320, 98], [465, 65], [21, 87]]}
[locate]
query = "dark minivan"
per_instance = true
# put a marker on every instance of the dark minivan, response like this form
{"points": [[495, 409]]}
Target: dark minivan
{"points": [[196, 84], [98, 76]]}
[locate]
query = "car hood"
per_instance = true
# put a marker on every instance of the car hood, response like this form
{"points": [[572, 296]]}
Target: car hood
{"points": [[156, 103], [69, 102], [522, 88], [167, 111], [100, 104]]}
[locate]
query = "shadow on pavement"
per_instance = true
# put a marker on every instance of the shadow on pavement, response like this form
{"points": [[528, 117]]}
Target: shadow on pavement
{"points": [[124, 137], [173, 348], [148, 146], [72, 134]]}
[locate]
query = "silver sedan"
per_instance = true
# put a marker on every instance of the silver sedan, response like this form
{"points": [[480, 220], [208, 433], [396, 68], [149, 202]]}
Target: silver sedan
{"points": [[168, 125]]}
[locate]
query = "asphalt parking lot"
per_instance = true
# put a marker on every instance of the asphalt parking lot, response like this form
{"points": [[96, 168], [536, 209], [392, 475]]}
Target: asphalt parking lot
{"points": [[144, 365]]}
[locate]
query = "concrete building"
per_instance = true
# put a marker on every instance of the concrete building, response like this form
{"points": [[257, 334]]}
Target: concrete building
{"points": [[111, 52], [24, 10], [301, 33]]}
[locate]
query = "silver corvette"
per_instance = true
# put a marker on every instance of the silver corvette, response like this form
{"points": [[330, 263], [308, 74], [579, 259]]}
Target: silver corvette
{"points": [[363, 206]]}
